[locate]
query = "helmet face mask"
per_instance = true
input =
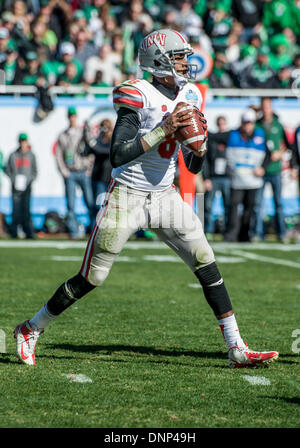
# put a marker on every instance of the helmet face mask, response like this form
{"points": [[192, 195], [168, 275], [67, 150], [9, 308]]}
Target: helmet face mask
{"points": [[164, 52]]}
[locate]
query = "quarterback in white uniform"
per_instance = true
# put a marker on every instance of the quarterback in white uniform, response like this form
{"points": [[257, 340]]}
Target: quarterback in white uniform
{"points": [[144, 153]]}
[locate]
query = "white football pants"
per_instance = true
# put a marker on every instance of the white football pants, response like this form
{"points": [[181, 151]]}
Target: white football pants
{"points": [[126, 210]]}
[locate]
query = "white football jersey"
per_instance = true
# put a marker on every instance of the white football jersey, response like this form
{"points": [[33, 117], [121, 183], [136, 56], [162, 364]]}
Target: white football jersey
{"points": [[155, 169]]}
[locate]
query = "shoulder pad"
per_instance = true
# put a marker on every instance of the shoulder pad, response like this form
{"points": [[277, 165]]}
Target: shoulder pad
{"points": [[127, 94]]}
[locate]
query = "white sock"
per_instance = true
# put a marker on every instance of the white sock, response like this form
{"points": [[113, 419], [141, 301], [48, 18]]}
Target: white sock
{"points": [[230, 331], [41, 319]]}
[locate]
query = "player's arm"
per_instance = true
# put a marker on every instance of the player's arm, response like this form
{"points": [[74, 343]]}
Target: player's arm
{"points": [[193, 160], [127, 145]]}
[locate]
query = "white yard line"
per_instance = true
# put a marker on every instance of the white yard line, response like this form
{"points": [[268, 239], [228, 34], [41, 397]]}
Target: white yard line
{"points": [[76, 258], [257, 380], [77, 378], [264, 259], [137, 245], [194, 285], [257, 246], [162, 258], [221, 259]]}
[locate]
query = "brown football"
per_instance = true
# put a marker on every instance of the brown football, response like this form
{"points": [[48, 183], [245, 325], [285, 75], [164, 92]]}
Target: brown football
{"points": [[192, 136]]}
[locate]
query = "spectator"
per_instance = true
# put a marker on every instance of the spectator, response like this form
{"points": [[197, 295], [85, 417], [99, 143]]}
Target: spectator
{"points": [[19, 9], [220, 77], [53, 69], [28, 5], [9, 65], [2, 223], [98, 82], [1, 169], [117, 49], [232, 51], [84, 49], [219, 25], [259, 75], [73, 32], [43, 41], [100, 147], [188, 20], [109, 29], [293, 48], [277, 15], [4, 44], [22, 21], [21, 168], [249, 14], [216, 175], [135, 27], [247, 157], [295, 162], [277, 144], [281, 56], [69, 77], [75, 170], [30, 73], [136, 17], [296, 61], [284, 78], [56, 14], [80, 19], [296, 18], [8, 22], [106, 63]]}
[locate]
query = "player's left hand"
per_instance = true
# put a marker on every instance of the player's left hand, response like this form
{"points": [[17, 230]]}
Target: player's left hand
{"points": [[202, 119]]}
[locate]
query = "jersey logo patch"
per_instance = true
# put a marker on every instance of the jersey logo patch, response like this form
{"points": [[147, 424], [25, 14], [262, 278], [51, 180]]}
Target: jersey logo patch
{"points": [[191, 96]]}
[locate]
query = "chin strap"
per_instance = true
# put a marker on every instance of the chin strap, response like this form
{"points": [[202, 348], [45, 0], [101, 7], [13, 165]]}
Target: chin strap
{"points": [[180, 81]]}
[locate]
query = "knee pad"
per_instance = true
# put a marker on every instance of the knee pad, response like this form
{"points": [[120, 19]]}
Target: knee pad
{"points": [[97, 275], [214, 289], [204, 254]]}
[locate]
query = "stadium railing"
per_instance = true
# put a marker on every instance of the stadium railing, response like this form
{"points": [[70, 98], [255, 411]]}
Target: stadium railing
{"points": [[18, 90]]}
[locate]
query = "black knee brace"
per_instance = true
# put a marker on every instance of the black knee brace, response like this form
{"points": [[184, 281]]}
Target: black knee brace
{"points": [[68, 293], [214, 289]]}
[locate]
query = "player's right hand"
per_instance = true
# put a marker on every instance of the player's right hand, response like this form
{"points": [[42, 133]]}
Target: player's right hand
{"points": [[178, 118]]}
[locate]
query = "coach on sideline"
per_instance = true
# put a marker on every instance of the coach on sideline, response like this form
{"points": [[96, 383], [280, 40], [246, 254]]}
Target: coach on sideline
{"points": [[247, 156], [21, 168]]}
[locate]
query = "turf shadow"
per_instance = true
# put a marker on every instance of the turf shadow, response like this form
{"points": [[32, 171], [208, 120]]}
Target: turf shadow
{"points": [[109, 349], [288, 355], [292, 400], [7, 359]]}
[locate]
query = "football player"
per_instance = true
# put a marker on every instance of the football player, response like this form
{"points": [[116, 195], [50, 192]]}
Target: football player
{"points": [[141, 194]]}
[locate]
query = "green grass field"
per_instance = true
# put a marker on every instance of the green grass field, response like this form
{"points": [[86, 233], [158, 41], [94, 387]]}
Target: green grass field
{"points": [[149, 343]]}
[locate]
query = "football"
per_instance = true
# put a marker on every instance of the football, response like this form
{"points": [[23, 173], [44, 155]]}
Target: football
{"points": [[192, 136]]}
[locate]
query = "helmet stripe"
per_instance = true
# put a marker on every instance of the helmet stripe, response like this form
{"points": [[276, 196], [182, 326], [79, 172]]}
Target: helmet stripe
{"points": [[181, 37]]}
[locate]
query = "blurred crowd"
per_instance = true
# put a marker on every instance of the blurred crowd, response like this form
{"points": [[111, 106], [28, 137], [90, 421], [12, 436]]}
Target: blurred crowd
{"points": [[238, 164], [253, 43]]}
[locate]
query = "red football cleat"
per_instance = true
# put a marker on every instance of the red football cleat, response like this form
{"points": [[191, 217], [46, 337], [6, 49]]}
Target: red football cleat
{"points": [[242, 356], [26, 341]]}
